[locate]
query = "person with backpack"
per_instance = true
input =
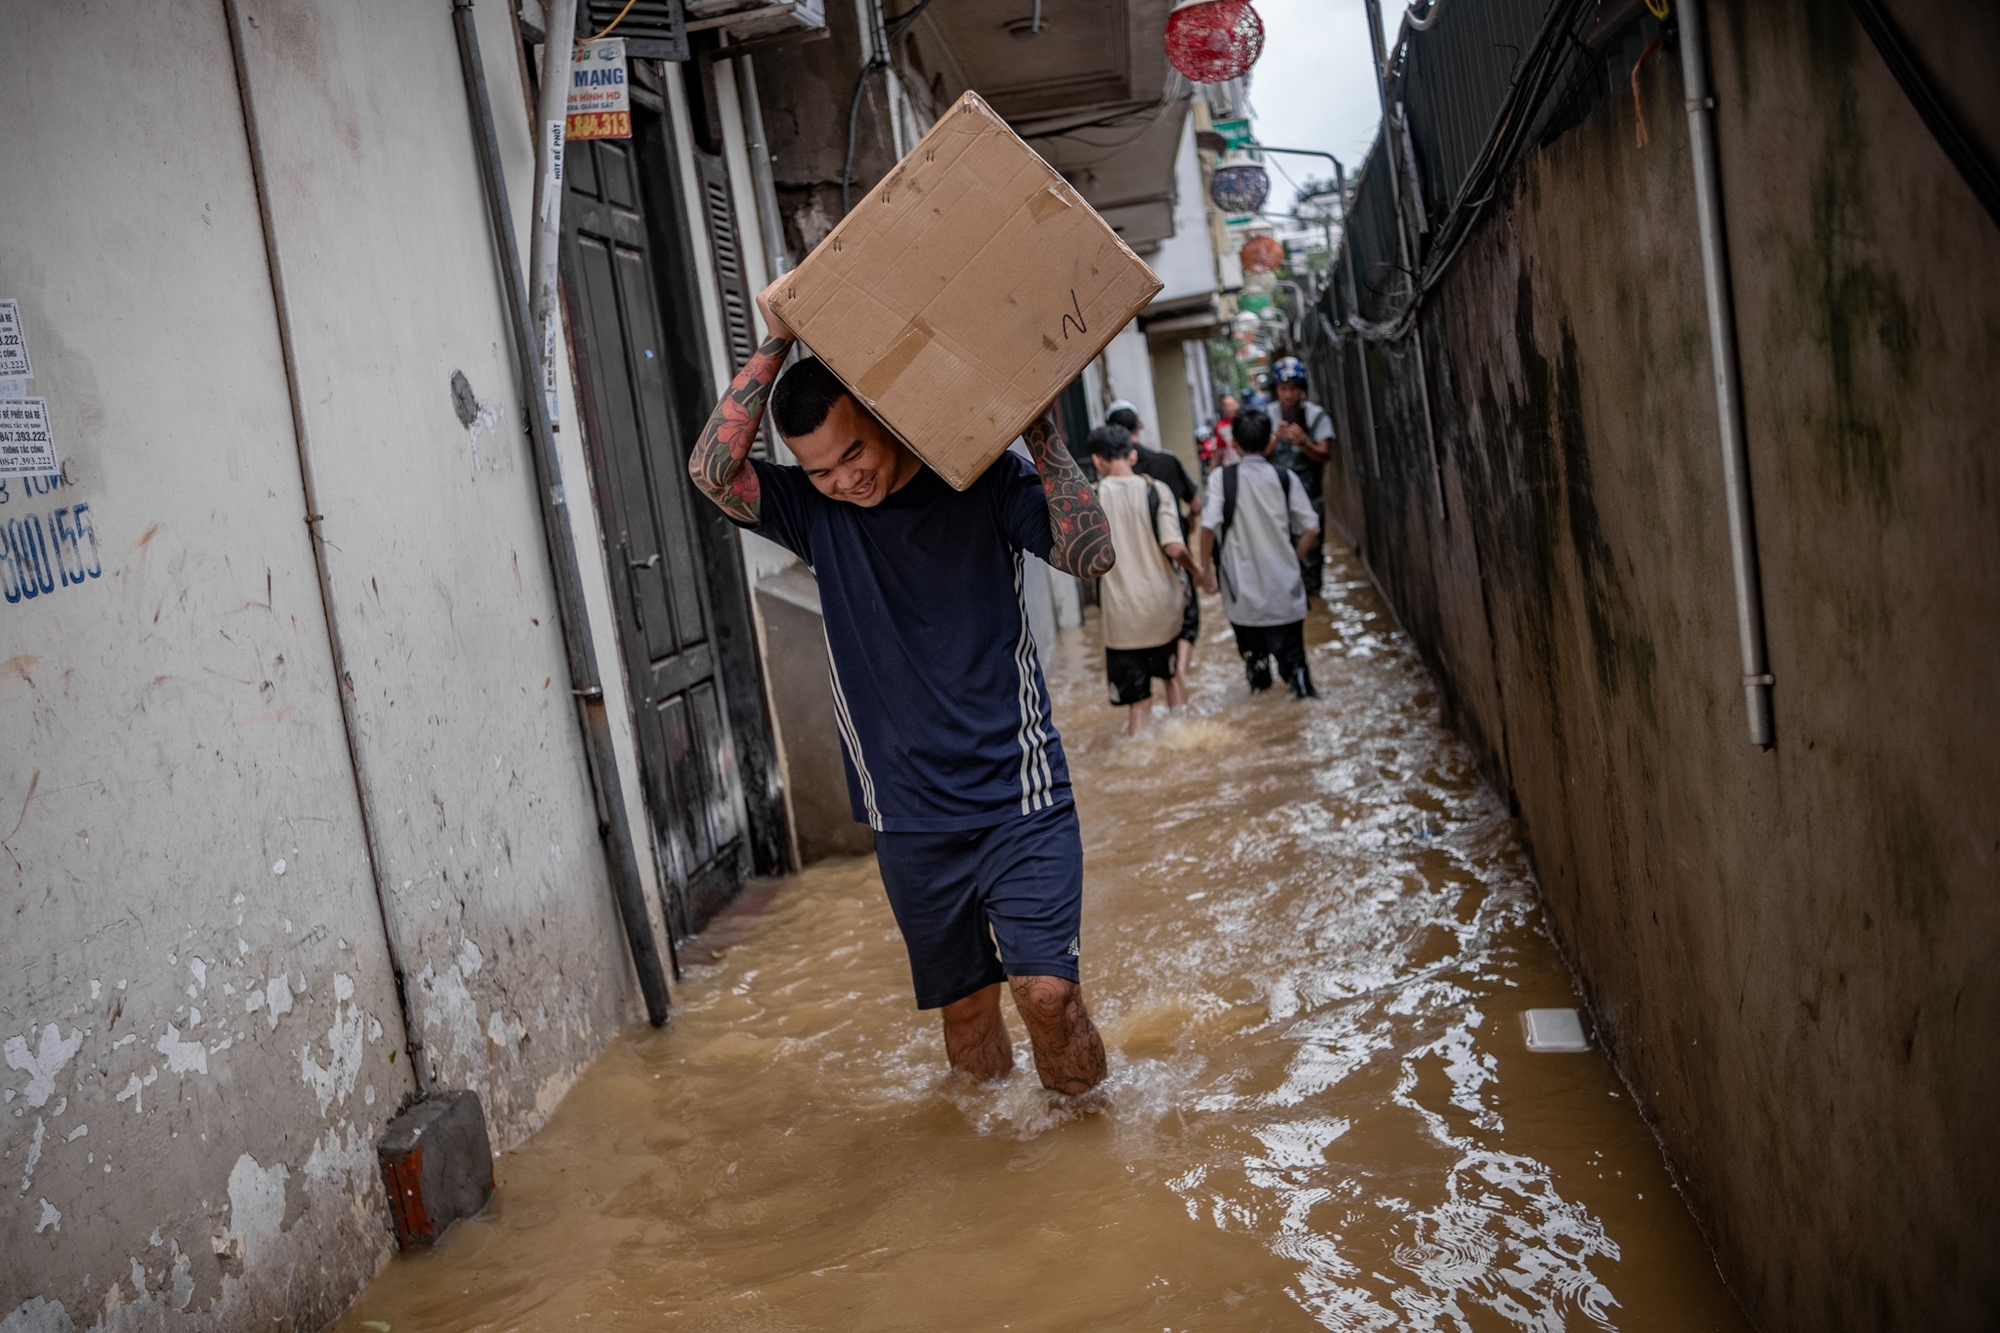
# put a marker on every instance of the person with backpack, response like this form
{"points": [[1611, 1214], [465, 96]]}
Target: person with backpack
{"points": [[1304, 442], [1141, 598], [1164, 467], [1257, 525]]}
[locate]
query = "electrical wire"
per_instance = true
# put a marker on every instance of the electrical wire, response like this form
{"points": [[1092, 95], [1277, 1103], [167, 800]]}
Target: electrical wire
{"points": [[1111, 150], [1424, 24], [1535, 76], [853, 116], [1965, 154], [585, 41], [880, 60], [1123, 116]]}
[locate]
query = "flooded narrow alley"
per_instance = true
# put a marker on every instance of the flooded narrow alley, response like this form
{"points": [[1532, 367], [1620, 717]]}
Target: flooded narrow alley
{"points": [[1309, 934]]}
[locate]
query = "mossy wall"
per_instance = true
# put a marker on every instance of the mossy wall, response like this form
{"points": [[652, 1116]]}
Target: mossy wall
{"points": [[1790, 952]]}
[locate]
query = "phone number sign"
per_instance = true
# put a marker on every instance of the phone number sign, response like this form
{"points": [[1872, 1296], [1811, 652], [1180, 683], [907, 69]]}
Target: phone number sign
{"points": [[27, 449], [600, 100]]}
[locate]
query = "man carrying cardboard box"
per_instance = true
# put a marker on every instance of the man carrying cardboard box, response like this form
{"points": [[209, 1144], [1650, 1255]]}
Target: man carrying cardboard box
{"points": [[944, 716]]}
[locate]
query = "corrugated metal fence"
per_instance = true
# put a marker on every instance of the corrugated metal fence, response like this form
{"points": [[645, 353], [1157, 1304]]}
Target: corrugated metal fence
{"points": [[1488, 80]]}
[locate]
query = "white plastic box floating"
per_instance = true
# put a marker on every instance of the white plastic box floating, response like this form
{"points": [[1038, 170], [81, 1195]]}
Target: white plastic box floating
{"points": [[964, 292], [1554, 1030]]}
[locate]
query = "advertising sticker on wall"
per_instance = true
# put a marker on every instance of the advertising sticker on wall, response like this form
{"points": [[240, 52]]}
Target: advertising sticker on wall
{"points": [[26, 447], [13, 343], [600, 103]]}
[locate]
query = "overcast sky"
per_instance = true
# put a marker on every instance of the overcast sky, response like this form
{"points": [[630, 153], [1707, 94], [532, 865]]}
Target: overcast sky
{"points": [[1311, 87]]}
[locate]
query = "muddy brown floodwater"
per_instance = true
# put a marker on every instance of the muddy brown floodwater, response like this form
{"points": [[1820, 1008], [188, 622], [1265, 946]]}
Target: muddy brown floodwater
{"points": [[1309, 932]]}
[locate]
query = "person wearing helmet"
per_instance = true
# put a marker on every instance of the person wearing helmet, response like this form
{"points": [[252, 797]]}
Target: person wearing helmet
{"points": [[1304, 442]]}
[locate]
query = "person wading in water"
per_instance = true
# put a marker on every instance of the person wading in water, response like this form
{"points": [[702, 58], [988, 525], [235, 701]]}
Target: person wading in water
{"points": [[1142, 602], [1304, 441], [1256, 526], [952, 758]]}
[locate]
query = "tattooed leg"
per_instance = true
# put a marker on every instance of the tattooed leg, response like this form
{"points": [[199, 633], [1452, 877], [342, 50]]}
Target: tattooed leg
{"points": [[1082, 537], [718, 464]]}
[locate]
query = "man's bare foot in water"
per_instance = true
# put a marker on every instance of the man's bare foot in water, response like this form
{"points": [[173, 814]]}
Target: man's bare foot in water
{"points": [[1069, 1055], [975, 1035]]}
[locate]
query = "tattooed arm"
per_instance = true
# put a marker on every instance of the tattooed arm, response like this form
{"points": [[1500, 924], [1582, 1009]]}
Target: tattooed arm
{"points": [[720, 462], [1082, 537]]}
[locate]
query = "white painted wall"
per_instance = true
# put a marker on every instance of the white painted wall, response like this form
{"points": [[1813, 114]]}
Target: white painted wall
{"points": [[440, 565], [761, 558], [1128, 373], [1201, 382], [1185, 261], [194, 993], [699, 252], [185, 843], [1174, 397]]}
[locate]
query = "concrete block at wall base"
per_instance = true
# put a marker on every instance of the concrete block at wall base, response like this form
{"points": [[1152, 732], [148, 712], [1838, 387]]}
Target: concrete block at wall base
{"points": [[437, 1163]]}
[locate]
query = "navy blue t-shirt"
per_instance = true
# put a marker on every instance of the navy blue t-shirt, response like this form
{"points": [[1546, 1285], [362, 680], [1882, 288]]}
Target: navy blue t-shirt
{"points": [[938, 693]]}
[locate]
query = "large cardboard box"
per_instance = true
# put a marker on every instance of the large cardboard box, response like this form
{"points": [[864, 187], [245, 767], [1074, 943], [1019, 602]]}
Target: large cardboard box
{"points": [[964, 292]]}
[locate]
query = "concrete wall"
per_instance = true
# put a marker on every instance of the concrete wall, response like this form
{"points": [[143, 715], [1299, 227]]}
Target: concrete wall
{"points": [[806, 90], [194, 990], [1185, 261], [802, 699], [1789, 952], [1173, 399], [1128, 374]]}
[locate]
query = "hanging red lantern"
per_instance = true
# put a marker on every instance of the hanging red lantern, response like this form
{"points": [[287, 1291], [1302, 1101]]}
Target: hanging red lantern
{"points": [[1212, 41], [1261, 254]]}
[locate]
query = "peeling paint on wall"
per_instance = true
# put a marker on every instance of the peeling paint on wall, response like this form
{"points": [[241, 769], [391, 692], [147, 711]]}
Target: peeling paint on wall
{"points": [[45, 1062], [453, 1008], [183, 1057], [37, 1315], [256, 1201], [187, 887], [344, 1040]]}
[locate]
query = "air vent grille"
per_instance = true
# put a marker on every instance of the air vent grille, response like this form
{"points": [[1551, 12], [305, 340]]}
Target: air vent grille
{"points": [[652, 29]]}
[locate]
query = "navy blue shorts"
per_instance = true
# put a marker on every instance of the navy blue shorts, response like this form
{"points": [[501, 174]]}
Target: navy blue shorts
{"points": [[1017, 885]]}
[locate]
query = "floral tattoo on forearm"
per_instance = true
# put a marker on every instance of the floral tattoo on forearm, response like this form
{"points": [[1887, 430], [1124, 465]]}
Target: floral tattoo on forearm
{"points": [[719, 462], [1082, 537]]}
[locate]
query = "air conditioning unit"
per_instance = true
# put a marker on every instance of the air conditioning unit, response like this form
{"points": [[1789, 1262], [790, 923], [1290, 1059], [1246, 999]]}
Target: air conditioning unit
{"points": [[747, 19]]}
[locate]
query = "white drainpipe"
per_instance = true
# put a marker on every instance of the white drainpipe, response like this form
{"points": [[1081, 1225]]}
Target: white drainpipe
{"points": [[1757, 679]]}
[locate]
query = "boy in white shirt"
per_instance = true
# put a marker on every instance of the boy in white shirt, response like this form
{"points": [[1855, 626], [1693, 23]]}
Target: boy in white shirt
{"points": [[1259, 524], [1141, 598]]}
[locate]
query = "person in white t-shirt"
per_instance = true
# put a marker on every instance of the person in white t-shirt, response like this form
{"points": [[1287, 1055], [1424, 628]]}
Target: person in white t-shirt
{"points": [[1141, 599], [1256, 525]]}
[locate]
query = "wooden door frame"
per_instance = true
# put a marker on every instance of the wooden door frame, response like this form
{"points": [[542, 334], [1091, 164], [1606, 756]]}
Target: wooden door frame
{"points": [[724, 588]]}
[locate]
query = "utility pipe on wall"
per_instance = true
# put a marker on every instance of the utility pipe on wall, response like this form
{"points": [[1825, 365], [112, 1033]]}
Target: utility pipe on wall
{"points": [[777, 259], [1354, 308], [1404, 245], [545, 244], [1757, 679], [538, 396], [343, 682]]}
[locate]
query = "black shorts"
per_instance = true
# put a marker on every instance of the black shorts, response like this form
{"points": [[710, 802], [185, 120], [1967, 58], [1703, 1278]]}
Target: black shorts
{"points": [[1191, 617], [978, 906], [1131, 670]]}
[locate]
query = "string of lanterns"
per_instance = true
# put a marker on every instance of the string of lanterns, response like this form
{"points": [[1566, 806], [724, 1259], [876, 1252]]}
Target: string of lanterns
{"points": [[1262, 254], [1214, 41]]}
